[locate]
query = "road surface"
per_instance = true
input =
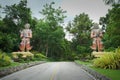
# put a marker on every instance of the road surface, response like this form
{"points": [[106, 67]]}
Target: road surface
{"points": [[51, 71]]}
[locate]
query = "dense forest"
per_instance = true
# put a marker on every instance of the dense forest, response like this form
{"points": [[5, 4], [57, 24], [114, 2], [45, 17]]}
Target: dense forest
{"points": [[48, 32]]}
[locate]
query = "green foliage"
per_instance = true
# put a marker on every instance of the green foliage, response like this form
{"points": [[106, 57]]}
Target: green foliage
{"points": [[6, 42], [109, 61], [39, 55], [23, 58], [72, 56], [20, 58], [80, 29], [13, 64], [81, 49], [112, 74], [16, 16], [85, 56], [87, 63], [5, 60], [54, 16], [112, 22], [18, 11], [82, 57], [110, 49], [49, 34], [117, 50]]}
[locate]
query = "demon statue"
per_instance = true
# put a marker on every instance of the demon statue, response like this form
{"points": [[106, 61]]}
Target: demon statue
{"points": [[25, 35], [96, 35]]}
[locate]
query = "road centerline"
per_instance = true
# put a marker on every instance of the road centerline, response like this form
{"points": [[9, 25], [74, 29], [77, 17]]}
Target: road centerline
{"points": [[54, 72]]}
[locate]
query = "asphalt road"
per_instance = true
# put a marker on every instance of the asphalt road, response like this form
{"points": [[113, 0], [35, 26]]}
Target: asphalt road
{"points": [[51, 71]]}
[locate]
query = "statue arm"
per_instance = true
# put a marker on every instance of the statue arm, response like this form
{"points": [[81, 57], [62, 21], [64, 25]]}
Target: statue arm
{"points": [[30, 34], [21, 34], [101, 34], [92, 34]]}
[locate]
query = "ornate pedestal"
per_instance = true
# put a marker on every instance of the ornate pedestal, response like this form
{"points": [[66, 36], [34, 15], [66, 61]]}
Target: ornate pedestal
{"points": [[23, 54], [99, 54]]}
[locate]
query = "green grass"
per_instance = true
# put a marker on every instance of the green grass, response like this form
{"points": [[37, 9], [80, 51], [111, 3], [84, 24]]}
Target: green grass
{"points": [[112, 74], [11, 65], [87, 63]]}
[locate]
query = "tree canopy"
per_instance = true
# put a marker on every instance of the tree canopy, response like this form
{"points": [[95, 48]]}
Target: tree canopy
{"points": [[80, 28], [112, 23], [16, 16], [48, 32]]}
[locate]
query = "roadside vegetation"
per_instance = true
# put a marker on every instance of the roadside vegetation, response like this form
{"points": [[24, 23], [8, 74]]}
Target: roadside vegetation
{"points": [[7, 61], [48, 32], [109, 61], [110, 73], [108, 64], [49, 42]]}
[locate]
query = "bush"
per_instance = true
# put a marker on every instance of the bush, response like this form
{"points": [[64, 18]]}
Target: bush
{"points": [[72, 56], [109, 60], [39, 56], [5, 60], [85, 56], [22, 59], [110, 49], [117, 51]]}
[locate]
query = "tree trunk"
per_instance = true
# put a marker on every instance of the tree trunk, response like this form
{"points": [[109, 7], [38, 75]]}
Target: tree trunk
{"points": [[46, 50]]}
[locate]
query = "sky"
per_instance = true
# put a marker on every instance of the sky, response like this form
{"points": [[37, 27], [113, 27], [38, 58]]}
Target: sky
{"points": [[94, 8]]}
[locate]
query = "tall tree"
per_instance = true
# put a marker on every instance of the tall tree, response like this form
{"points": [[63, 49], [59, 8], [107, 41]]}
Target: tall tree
{"points": [[80, 28], [50, 29], [18, 13], [112, 38]]}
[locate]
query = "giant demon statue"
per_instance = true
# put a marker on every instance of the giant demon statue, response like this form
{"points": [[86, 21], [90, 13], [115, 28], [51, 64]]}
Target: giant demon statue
{"points": [[26, 34], [96, 35]]}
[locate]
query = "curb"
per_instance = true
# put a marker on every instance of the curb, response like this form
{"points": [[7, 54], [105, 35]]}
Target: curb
{"points": [[10, 70], [95, 74]]}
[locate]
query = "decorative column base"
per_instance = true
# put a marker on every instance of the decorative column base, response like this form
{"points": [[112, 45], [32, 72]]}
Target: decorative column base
{"points": [[99, 54], [23, 54]]}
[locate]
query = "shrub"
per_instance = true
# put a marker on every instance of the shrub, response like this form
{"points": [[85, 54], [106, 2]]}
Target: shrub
{"points": [[85, 56], [5, 60], [39, 56], [109, 60], [22, 59], [118, 50], [72, 56], [110, 49]]}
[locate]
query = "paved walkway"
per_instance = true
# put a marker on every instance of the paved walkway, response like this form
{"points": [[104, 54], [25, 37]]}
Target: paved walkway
{"points": [[51, 71]]}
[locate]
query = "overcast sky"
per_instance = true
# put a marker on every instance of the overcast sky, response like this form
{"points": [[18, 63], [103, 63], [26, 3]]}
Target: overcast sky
{"points": [[94, 8]]}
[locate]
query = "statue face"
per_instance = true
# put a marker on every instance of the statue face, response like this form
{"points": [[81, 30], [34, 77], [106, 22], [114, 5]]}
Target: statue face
{"points": [[27, 26]]}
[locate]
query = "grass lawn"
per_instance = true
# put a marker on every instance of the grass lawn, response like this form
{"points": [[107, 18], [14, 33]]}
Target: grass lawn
{"points": [[113, 74]]}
